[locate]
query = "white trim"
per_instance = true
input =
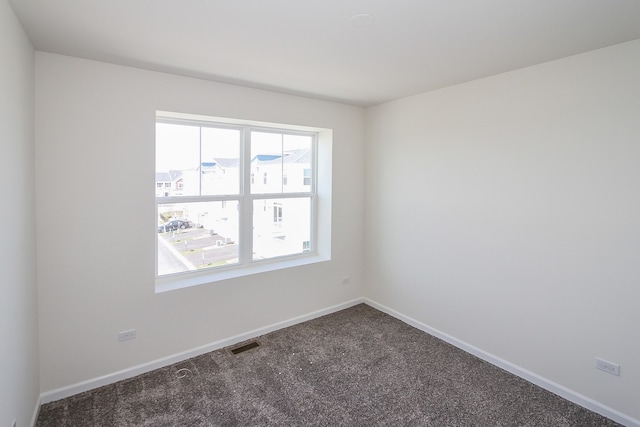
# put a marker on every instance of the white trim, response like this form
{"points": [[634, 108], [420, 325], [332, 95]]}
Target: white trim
{"points": [[36, 411], [83, 386], [202, 277], [525, 374], [172, 116]]}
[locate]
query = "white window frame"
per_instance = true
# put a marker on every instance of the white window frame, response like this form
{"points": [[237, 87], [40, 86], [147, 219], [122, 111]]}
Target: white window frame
{"points": [[320, 199]]}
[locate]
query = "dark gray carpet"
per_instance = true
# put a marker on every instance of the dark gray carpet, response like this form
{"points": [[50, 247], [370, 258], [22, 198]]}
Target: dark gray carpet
{"points": [[357, 367]]}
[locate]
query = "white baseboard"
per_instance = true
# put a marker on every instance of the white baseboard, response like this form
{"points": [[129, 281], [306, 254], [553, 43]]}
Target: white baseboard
{"points": [[546, 384], [36, 411], [73, 389]]}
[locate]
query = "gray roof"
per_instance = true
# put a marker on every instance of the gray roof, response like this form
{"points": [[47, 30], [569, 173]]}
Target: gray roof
{"points": [[163, 177], [227, 163], [298, 156], [171, 176], [302, 155]]}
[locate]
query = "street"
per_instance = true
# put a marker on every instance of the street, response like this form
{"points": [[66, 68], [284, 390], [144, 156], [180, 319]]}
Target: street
{"points": [[192, 249]]}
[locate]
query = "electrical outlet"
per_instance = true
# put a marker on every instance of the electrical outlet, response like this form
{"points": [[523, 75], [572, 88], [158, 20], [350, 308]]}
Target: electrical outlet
{"points": [[345, 280], [608, 367], [127, 335]]}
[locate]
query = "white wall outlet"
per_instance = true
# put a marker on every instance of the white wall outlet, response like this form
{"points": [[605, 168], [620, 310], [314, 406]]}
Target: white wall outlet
{"points": [[345, 280], [127, 335], [608, 367]]}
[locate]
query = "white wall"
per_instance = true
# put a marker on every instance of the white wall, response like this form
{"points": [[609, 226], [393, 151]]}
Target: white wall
{"points": [[18, 304], [95, 194], [505, 212]]}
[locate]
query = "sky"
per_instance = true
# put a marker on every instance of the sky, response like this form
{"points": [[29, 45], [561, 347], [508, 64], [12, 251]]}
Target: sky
{"points": [[178, 146]]}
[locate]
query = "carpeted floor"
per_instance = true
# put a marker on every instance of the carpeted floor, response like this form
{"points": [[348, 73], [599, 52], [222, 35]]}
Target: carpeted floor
{"points": [[357, 367]]}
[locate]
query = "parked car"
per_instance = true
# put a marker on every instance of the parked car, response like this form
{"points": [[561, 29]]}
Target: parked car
{"points": [[175, 225]]}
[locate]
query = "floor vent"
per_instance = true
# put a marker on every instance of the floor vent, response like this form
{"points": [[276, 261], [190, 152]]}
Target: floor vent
{"points": [[245, 347]]}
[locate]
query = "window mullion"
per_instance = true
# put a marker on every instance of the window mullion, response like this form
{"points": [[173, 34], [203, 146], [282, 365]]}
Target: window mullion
{"points": [[200, 164], [246, 211]]}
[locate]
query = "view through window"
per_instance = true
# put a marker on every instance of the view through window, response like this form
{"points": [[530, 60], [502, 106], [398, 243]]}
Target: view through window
{"points": [[231, 195]]}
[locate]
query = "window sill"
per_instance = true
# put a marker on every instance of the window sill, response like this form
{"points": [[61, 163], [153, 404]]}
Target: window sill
{"points": [[180, 281]]}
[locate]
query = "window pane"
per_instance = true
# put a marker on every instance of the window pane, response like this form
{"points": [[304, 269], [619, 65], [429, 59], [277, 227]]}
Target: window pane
{"points": [[220, 164], [192, 236], [281, 227], [266, 162], [177, 159], [297, 163], [280, 160]]}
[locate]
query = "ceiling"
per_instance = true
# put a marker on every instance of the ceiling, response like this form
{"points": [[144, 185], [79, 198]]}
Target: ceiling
{"points": [[314, 48]]}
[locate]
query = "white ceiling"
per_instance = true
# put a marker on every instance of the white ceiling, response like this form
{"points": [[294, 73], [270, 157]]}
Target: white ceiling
{"points": [[309, 47]]}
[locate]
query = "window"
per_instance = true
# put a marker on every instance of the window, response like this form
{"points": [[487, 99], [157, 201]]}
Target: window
{"points": [[219, 218], [277, 213]]}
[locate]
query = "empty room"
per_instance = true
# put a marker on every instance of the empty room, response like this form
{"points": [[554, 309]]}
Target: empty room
{"points": [[320, 213]]}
